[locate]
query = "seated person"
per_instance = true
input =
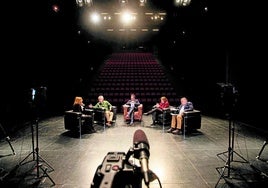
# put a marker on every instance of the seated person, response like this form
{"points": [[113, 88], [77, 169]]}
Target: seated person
{"points": [[79, 106], [158, 109], [104, 104], [133, 104], [176, 121]]}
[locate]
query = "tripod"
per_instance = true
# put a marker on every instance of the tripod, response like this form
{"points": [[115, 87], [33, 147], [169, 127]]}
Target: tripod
{"points": [[229, 154], [7, 138], [37, 157]]}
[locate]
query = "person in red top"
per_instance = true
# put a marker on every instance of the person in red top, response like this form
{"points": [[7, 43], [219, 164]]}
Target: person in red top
{"points": [[158, 109]]}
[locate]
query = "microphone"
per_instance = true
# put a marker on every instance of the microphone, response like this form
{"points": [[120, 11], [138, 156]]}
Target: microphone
{"points": [[141, 152]]}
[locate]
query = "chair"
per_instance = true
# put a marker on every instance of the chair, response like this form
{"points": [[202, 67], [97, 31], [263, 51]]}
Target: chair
{"points": [[164, 118], [99, 115], [76, 121], [191, 121], [137, 113]]}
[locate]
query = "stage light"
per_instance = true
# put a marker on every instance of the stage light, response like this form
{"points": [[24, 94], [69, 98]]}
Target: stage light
{"points": [[142, 3], [95, 17], [88, 2], [55, 8], [123, 2], [127, 17], [80, 3], [182, 2]]}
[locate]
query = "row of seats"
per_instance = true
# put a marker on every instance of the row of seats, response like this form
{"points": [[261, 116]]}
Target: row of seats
{"points": [[132, 56], [141, 84], [135, 72]]}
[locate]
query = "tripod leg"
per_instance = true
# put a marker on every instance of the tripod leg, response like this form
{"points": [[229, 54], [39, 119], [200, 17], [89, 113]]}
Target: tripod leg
{"points": [[26, 158], [263, 146], [221, 173], [43, 160], [33, 150], [45, 174], [7, 138]]}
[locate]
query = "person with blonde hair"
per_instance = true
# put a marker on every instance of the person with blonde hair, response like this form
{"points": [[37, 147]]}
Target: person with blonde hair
{"points": [[108, 109], [158, 109]]}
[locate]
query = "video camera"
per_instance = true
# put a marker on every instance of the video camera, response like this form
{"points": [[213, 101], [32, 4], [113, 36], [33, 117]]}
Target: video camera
{"points": [[120, 170], [115, 172]]}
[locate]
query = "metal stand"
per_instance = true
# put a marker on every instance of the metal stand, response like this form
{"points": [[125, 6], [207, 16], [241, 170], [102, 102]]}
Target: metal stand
{"points": [[103, 118], [37, 157], [164, 119], [229, 154], [7, 138], [184, 126], [258, 158], [263, 146]]}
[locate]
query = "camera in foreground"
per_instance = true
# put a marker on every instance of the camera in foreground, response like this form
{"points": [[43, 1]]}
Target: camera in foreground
{"points": [[115, 172]]}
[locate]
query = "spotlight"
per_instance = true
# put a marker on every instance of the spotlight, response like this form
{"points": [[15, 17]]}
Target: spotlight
{"points": [[127, 18], [142, 3], [80, 3], [55, 8], [95, 18], [123, 2], [183, 3], [88, 2]]}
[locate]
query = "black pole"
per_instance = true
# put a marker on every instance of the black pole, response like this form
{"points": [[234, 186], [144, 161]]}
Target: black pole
{"points": [[37, 148], [229, 147], [32, 130]]}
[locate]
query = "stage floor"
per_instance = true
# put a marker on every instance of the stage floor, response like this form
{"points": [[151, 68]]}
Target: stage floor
{"points": [[197, 160]]}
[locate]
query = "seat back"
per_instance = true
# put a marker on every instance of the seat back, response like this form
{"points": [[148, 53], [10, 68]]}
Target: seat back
{"points": [[192, 120], [78, 122], [72, 120], [99, 115], [165, 117]]}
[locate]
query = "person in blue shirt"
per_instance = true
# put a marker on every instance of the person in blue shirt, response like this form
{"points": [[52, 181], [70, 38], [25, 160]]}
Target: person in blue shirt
{"points": [[133, 104], [176, 121]]}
